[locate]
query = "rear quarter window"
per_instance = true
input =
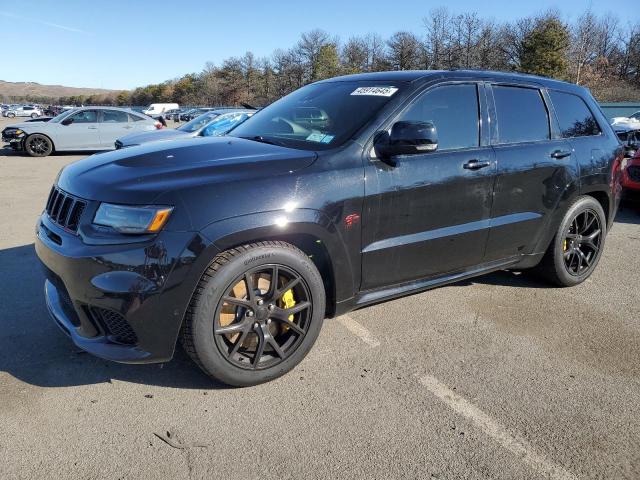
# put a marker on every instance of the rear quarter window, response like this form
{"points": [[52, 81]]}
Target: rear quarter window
{"points": [[522, 114], [574, 116]]}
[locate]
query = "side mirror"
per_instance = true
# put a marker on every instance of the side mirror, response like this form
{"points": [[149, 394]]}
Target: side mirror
{"points": [[408, 138], [67, 121]]}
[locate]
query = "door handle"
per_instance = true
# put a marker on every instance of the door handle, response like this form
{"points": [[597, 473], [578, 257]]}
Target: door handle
{"points": [[92, 128], [558, 154], [475, 164], [128, 127]]}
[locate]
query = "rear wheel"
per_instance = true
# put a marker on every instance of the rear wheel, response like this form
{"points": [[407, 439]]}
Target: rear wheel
{"points": [[11, 115], [256, 313], [38, 145], [577, 246]]}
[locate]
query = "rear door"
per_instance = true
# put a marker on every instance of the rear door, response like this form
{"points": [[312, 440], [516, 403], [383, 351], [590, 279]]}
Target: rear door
{"points": [[113, 125], [429, 213], [81, 134], [535, 168]]}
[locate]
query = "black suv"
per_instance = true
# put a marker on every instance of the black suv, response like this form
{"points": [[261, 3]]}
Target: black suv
{"points": [[345, 193]]}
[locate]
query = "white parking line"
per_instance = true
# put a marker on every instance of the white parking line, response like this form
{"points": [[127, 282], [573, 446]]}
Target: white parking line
{"points": [[359, 331], [518, 446]]}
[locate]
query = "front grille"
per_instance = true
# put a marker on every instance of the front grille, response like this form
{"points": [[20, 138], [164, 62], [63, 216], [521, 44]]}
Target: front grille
{"points": [[115, 325], [65, 210], [634, 173]]}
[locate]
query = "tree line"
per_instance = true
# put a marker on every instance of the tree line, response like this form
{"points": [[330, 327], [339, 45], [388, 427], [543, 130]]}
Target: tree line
{"points": [[601, 52]]}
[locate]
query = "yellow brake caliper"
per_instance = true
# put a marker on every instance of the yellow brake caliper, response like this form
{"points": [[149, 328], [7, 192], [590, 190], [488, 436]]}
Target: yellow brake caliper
{"points": [[288, 302]]}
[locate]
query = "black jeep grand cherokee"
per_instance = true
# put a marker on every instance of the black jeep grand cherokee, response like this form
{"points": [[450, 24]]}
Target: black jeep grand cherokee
{"points": [[345, 193]]}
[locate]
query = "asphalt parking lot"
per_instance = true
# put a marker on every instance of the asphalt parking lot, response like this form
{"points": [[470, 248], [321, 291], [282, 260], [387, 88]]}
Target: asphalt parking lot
{"points": [[499, 377]]}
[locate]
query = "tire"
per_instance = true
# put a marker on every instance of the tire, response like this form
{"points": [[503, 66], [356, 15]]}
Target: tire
{"points": [[570, 258], [11, 115], [223, 292], [38, 145], [34, 115]]}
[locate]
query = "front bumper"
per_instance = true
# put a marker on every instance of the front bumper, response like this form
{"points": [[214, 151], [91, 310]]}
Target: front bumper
{"points": [[121, 302]]}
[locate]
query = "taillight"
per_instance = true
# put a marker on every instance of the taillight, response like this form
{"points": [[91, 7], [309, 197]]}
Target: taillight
{"points": [[158, 125]]}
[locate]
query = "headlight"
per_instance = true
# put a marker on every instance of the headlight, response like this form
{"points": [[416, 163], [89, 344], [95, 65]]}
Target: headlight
{"points": [[18, 133], [125, 219]]}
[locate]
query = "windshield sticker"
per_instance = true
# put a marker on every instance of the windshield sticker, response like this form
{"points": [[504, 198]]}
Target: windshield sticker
{"points": [[327, 138], [375, 91], [316, 137]]}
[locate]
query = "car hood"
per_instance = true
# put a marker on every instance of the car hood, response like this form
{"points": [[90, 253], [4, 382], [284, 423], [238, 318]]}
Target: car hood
{"points": [[153, 136], [138, 175]]}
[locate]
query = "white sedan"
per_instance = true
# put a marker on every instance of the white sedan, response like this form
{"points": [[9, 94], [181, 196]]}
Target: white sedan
{"points": [[86, 128]]}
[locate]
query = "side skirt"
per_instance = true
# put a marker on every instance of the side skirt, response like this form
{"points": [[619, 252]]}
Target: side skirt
{"points": [[372, 297]]}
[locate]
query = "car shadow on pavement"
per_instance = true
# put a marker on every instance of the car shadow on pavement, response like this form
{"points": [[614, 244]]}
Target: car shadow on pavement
{"points": [[35, 351], [507, 278]]}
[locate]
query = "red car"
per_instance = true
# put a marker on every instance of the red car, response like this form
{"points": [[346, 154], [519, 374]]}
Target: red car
{"points": [[631, 172]]}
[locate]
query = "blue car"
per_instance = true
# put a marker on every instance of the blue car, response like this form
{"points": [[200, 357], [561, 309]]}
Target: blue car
{"points": [[211, 124]]}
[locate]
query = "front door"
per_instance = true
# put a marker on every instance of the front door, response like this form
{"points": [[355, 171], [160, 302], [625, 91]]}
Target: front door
{"points": [[81, 134], [429, 214]]}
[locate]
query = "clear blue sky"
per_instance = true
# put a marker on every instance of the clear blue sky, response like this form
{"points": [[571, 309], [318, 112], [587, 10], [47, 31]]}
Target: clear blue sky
{"points": [[125, 44]]}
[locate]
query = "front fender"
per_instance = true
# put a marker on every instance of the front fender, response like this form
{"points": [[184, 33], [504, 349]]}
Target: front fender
{"points": [[290, 226]]}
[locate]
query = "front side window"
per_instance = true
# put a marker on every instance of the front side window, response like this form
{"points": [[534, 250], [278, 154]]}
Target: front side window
{"points": [[522, 114], [114, 116], [575, 118], [85, 116], [319, 116], [453, 109]]}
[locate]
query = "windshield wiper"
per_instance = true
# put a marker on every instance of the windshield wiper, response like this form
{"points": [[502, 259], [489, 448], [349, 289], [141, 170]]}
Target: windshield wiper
{"points": [[261, 139]]}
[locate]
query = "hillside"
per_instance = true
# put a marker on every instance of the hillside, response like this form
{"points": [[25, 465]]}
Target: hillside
{"points": [[11, 90]]}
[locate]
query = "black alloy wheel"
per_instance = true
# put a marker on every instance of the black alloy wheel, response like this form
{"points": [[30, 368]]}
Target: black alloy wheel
{"points": [[577, 245], [38, 145], [262, 317], [255, 314], [581, 244]]}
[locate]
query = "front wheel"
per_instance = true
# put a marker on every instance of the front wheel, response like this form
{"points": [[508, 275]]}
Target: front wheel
{"points": [[11, 115], [38, 145], [34, 115], [577, 246], [256, 313]]}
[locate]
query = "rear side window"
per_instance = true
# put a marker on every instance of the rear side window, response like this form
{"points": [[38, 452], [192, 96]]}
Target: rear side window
{"points": [[576, 120], [453, 109], [136, 118], [522, 115], [114, 116]]}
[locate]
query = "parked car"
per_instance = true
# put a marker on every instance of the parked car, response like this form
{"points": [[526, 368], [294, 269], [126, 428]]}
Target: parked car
{"points": [[345, 193], [187, 117], [169, 114], [23, 111], [53, 110], [85, 128], [211, 124], [158, 109], [631, 163], [632, 121]]}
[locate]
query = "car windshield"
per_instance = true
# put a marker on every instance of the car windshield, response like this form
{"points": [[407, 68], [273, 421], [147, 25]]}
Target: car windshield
{"points": [[318, 116], [62, 116], [197, 123]]}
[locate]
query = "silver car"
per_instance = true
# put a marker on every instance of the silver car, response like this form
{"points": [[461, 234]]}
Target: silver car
{"points": [[86, 128], [214, 123], [22, 111]]}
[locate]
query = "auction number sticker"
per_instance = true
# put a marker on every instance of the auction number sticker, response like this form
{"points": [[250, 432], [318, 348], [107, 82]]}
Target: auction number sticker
{"points": [[375, 91]]}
